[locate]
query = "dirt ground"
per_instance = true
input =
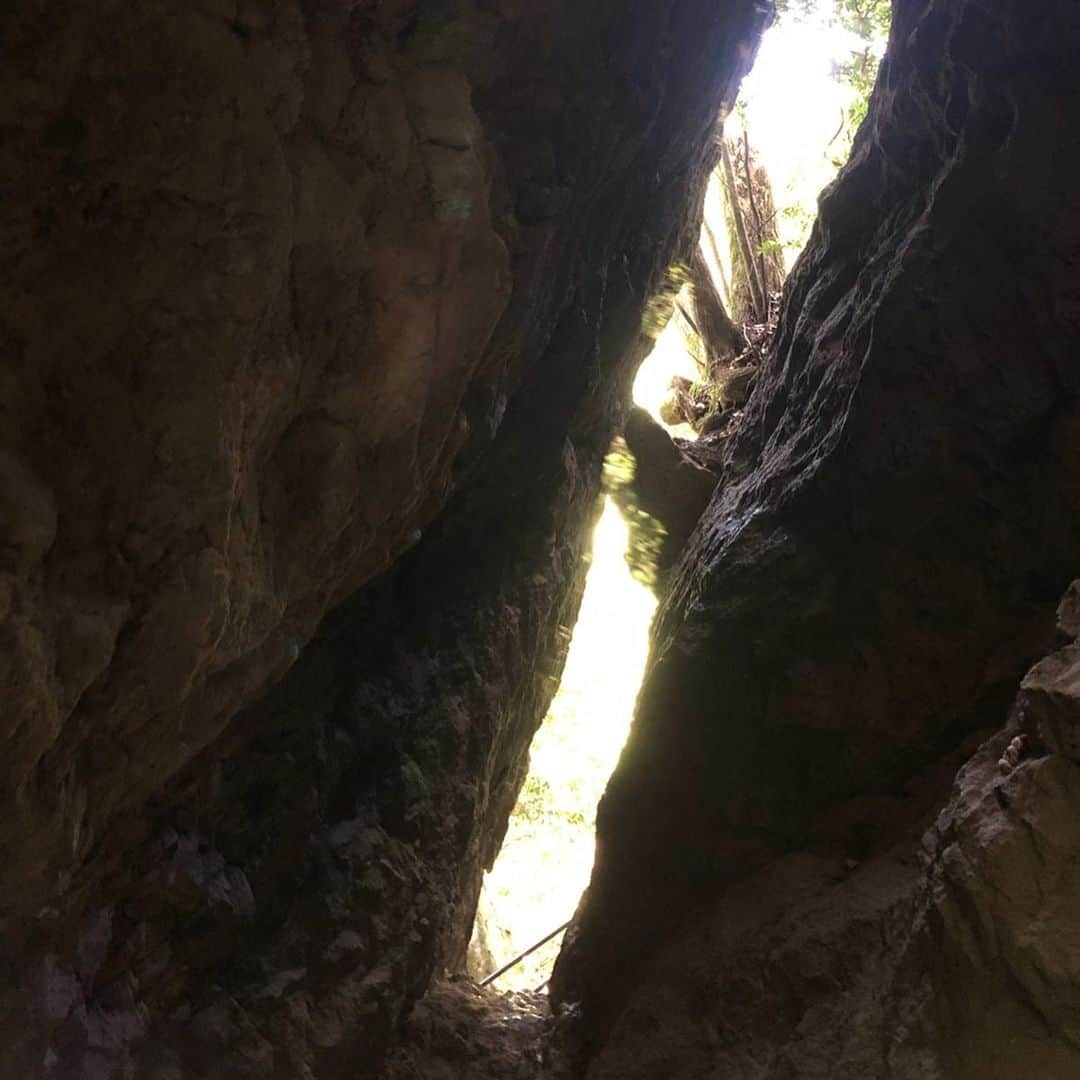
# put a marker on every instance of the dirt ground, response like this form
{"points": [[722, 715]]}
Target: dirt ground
{"points": [[462, 1032]]}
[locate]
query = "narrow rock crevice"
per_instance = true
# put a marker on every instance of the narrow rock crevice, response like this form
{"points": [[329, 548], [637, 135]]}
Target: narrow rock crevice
{"points": [[322, 317], [321, 331], [895, 521]]}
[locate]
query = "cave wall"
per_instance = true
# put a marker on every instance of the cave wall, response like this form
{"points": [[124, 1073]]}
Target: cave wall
{"points": [[320, 317], [950, 951], [897, 518]]}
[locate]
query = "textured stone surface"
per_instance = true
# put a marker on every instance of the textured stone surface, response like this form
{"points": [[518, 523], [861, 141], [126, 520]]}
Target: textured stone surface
{"points": [[955, 955], [318, 319], [898, 516], [460, 1030], [313, 307], [240, 335]]}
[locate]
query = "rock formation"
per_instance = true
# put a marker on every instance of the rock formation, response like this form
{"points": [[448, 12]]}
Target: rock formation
{"points": [[952, 952], [898, 515], [319, 319]]}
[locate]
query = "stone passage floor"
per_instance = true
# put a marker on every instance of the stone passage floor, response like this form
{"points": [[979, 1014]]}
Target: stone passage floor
{"points": [[460, 1032]]}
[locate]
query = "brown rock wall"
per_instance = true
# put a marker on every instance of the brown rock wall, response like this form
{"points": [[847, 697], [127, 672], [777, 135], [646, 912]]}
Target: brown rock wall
{"points": [[948, 953], [897, 518], [239, 334], [314, 307]]}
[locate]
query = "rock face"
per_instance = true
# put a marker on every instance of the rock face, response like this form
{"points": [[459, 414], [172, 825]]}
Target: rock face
{"points": [[898, 515], [953, 956], [313, 307], [320, 315], [460, 1030]]}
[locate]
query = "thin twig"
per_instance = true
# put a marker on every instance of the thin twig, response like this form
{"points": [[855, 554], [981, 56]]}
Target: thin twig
{"points": [[521, 956], [689, 319], [843, 120]]}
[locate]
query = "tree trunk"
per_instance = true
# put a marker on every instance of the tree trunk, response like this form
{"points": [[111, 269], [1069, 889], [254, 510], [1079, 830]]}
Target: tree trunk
{"points": [[759, 229], [755, 286], [721, 339]]}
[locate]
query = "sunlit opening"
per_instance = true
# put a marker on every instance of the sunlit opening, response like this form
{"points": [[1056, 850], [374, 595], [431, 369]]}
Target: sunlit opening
{"points": [[796, 118], [799, 109], [797, 113], [547, 855]]}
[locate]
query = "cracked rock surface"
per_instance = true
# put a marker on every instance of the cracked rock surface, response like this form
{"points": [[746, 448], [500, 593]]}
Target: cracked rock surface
{"points": [[319, 319], [895, 522]]}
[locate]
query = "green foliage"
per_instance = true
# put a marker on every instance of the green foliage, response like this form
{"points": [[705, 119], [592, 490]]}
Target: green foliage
{"points": [[709, 394], [646, 533], [802, 218], [535, 799], [659, 309], [537, 805], [547, 855], [869, 21]]}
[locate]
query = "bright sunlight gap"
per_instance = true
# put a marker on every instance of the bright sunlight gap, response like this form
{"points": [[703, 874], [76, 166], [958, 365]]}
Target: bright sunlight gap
{"points": [[799, 108]]}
